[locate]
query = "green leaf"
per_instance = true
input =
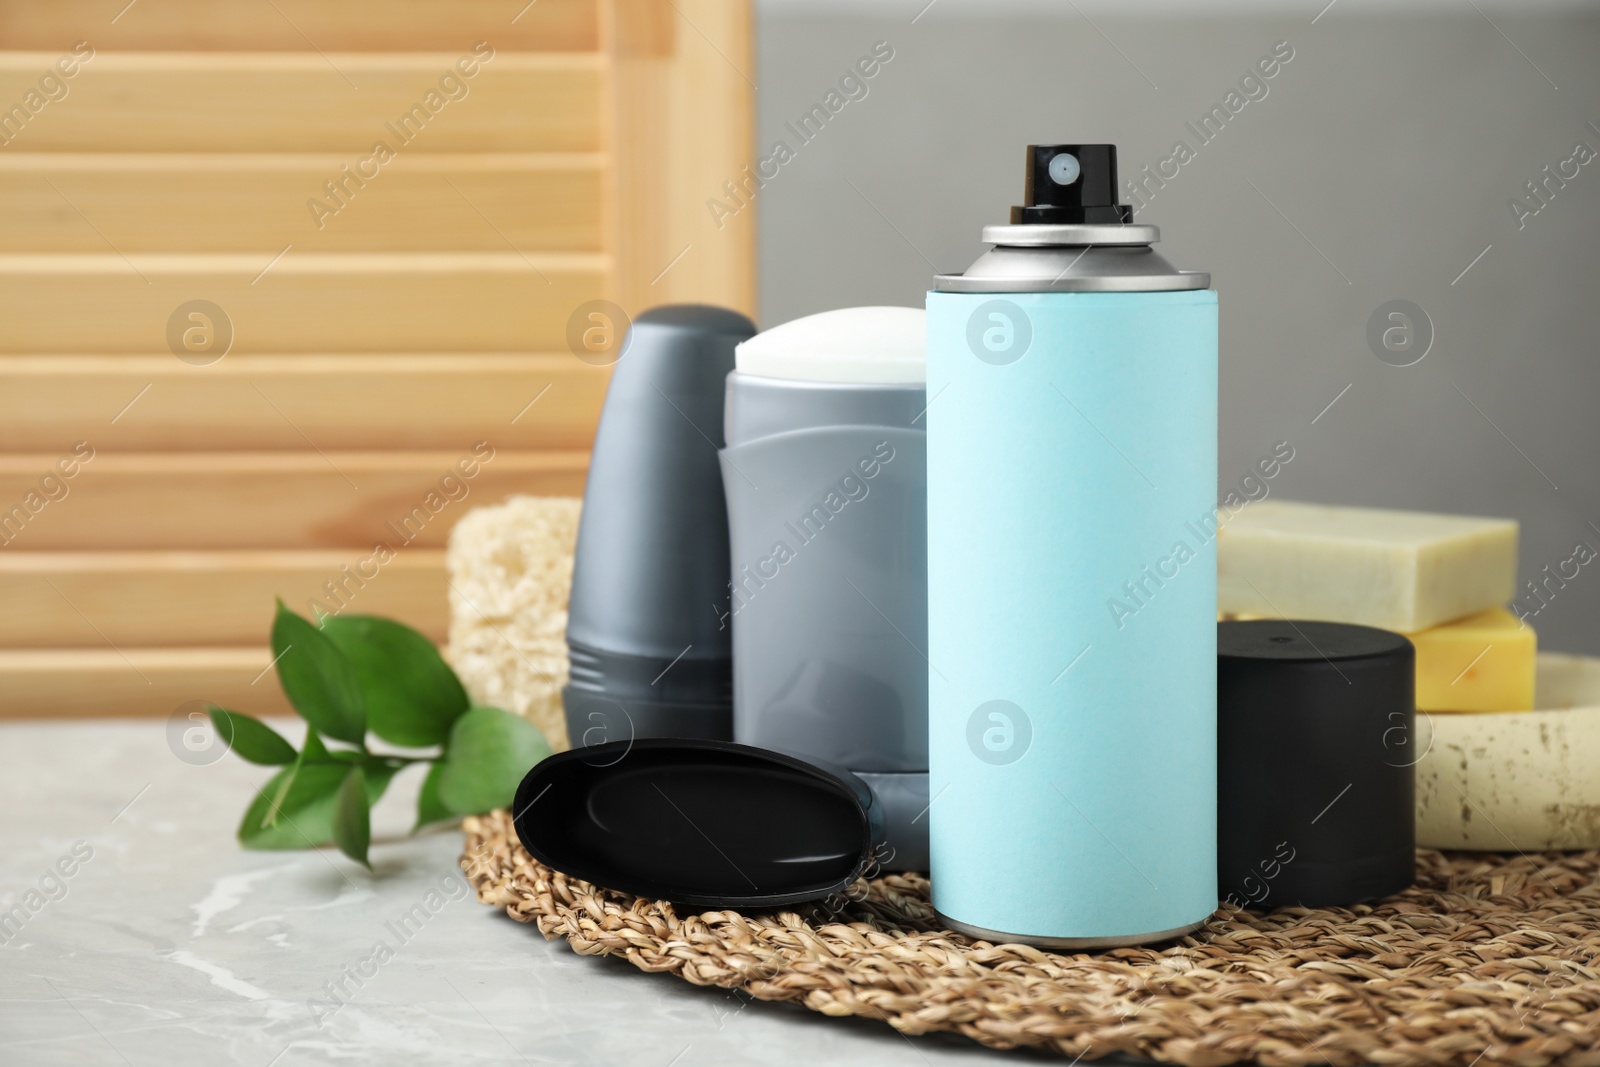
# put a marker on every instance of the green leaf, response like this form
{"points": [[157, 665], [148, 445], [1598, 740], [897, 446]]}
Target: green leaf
{"points": [[316, 751], [317, 678], [489, 753], [352, 827], [283, 813], [412, 696], [430, 809], [305, 812], [277, 797], [252, 739]]}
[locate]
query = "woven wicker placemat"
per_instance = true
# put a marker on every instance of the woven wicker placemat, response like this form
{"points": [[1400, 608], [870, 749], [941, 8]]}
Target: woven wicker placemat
{"points": [[1489, 959]]}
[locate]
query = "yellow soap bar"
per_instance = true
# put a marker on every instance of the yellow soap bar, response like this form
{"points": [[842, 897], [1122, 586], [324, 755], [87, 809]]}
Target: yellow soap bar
{"points": [[1397, 570], [1484, 662]]}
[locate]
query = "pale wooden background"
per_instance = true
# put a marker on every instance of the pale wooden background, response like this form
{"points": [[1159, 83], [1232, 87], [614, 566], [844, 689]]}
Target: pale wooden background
{"points": [[369, 358]]}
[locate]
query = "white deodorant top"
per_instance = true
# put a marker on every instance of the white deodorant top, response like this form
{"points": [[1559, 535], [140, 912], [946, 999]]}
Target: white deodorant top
{"points": [[871, 345]]}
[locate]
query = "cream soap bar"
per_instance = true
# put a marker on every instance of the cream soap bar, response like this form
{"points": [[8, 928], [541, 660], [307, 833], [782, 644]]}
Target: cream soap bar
{"points": [[1517, 780], [1398, 570], [1484, 662]]}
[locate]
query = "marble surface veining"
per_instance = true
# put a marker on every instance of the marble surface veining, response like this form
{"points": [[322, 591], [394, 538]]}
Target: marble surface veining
{"points": [[150, 937]]}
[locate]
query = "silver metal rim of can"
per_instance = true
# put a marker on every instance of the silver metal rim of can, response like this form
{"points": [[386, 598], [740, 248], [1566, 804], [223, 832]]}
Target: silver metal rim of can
{"points": [[1028, 235], [1178, 281], [1000, 937], [1072, 259]]}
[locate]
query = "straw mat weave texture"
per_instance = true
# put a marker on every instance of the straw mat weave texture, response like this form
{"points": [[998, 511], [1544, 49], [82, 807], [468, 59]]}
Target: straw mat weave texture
{"points": [[1489, 959]]}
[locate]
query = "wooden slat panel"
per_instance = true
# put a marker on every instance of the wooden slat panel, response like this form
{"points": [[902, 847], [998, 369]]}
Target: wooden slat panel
{"points": [[305, 102], [186, 152], [316, 302], [82, 683], [268, 500], [258, 202], [682, 102], [187, 599], [294, 25], [48, 403]]}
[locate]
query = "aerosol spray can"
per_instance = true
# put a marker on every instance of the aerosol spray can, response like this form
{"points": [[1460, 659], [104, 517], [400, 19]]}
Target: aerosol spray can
{"points": [[1072, 472]]}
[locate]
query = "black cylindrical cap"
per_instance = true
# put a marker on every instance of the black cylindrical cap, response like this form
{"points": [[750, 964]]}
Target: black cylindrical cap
{"points": [[705, 823], [1315, 755], [1070, 184], [650, 654]]}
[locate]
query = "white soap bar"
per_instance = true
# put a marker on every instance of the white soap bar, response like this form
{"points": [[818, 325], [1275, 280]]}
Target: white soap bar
{"points": [[866, 345], [1516, 780], [1398, 570]]}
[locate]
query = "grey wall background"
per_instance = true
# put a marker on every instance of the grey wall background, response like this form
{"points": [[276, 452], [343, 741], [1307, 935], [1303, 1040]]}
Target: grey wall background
{"points": [[1388, 147]]}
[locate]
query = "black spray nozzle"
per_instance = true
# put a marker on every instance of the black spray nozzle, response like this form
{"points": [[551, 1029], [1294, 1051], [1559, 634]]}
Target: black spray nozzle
{"points": [[1071, 184]]}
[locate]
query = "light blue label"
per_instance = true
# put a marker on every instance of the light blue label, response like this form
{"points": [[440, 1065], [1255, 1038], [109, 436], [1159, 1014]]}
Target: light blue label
{"points": [[1072, 472]]}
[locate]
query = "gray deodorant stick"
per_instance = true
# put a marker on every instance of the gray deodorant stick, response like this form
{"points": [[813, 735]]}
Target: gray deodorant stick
{"points": [[649, 656], [825, 471]]}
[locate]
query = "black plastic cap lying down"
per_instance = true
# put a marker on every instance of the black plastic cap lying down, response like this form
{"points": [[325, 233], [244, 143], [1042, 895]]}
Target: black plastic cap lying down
{"points": [[705, 823]]}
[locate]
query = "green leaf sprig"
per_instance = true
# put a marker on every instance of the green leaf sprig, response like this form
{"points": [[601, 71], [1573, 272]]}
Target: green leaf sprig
{"points": [[355, 674]]}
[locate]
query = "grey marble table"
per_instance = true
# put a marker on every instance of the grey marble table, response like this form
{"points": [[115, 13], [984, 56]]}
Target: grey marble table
{"points": [[154, 939]]}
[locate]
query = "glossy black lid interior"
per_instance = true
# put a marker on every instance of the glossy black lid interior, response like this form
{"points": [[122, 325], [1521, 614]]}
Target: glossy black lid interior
{"points": [[705, 823]]}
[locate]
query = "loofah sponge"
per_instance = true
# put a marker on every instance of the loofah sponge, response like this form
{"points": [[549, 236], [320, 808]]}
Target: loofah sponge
{"points": [[510, 569]]}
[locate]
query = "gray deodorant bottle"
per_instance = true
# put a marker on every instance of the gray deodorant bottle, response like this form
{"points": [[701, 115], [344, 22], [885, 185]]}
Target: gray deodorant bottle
{"points": [[649, 656], [825, 471]]}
